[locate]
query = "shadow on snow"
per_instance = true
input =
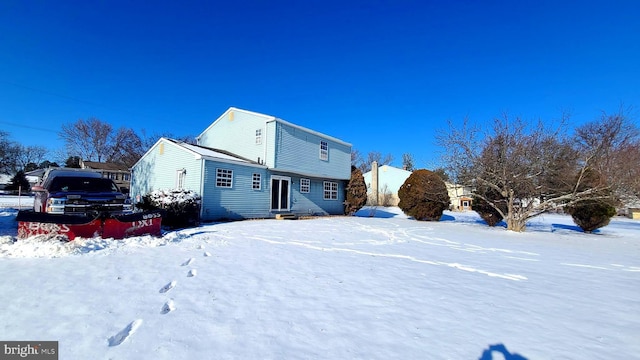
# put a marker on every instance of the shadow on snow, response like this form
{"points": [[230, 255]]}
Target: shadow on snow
{"points": [[501, 349]]}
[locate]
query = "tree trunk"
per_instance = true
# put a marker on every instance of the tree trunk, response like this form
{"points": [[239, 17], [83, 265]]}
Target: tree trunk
{"points": [[516, 224]]}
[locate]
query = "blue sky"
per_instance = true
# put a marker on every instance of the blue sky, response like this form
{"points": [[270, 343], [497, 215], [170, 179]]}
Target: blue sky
{"points": [[382, 75]]}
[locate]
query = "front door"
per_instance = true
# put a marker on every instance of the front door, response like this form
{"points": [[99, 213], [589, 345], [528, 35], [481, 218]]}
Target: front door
{"points": [[280, 193]]}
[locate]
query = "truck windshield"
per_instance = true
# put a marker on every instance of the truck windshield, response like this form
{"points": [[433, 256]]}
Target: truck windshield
{"points": [[82, 184]]}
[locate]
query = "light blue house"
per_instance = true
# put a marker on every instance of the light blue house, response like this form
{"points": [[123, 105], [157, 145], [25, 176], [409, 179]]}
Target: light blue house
{"points": [[251, 165]]}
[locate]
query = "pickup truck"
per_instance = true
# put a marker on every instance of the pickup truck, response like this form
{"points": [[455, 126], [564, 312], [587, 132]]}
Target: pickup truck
{"points": [[79, 192]]}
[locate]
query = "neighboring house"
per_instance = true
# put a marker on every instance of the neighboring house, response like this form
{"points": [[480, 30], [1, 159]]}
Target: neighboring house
{"points": [[383, 183], [34, 176], [250, 165], [119, 173], [460, 197], [5, 180]]}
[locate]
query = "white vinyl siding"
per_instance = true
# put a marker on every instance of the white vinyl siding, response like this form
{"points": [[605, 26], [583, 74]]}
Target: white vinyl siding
{"points": [[330, 190], [224, 178], [305, 186]]}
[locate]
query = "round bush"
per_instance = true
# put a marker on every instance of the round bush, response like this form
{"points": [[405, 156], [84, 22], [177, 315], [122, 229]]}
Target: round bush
{"points": [[591, 214], [424, 196]]}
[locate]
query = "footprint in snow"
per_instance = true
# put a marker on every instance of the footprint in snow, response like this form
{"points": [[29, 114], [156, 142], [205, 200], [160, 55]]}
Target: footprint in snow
{"points": [[207, 254], [168, 307], [125, 333], [168, 287], [188, 262], [192, 273]]}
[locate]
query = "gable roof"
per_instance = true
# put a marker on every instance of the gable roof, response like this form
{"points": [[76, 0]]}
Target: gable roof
{"points": [[105, 166], [213, 154], [203, 152], [269, 118]]}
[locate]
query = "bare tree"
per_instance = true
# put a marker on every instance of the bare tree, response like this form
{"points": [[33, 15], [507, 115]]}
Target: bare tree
{"points": [[126, 147], [611, 147], [95, 140], [148, 140], [30, 155], [365, 165], [531, 170], [87, 139], [356, 158], [442, 172], [9, 152]]}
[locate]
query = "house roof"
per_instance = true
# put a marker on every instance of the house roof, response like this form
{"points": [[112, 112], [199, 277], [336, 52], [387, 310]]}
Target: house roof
{"points": [[205, 153], [37, 173], [269, 118], [211, 153], [105, 166]]}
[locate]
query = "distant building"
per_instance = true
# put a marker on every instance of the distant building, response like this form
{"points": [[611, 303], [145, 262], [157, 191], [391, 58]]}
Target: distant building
{"points": [[383, 183], [5, 180], [120, 174]]}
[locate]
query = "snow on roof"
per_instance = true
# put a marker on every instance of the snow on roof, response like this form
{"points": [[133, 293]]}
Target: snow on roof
{"points": [[213, 154]]}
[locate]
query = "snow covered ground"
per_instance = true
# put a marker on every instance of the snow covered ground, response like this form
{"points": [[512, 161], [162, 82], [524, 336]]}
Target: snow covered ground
{"points": [[382, 287]]}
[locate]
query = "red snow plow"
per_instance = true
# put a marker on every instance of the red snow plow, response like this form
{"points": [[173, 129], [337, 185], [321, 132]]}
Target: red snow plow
{"points": [[80, 203], [105, 225]]}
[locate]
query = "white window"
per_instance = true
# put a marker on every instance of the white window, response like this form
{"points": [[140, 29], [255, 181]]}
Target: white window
{"points": [[180, 176], [258, 136], [324, 150], [224, 178], [330, 190], [257, 182], [126, 177], [113, 176], [305, 185]]}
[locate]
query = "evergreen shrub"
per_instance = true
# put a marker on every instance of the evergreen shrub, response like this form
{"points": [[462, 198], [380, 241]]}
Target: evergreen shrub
{"points": [[356, 196], [181, 207], [424, 196], [591, 214], [487, 212]]}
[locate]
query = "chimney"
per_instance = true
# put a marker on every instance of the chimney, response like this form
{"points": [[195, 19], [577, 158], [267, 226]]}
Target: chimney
{"points": [[374, 182]]}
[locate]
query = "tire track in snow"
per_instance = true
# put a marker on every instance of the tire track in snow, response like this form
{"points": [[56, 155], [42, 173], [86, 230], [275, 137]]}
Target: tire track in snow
{"points": [[458, 266]]}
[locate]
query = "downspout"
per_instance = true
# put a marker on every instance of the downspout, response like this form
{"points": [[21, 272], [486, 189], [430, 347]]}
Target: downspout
{"points": [[202, 160], [266, 139]]}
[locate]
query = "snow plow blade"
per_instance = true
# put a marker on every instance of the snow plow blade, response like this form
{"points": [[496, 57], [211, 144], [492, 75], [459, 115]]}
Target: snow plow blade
{"points": [[32, 223]]}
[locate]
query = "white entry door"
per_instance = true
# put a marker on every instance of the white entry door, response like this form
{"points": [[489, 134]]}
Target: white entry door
{"points": [[280, 189]]}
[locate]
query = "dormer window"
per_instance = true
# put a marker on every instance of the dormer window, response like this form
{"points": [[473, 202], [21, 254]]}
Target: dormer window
{"points": [[324, 150], [258, 136]]}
